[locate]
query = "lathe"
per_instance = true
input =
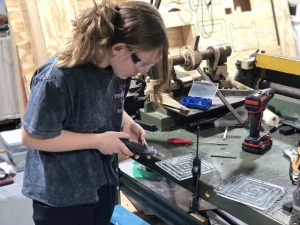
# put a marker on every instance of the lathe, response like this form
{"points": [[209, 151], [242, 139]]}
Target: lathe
{"points": [[231, 93]]}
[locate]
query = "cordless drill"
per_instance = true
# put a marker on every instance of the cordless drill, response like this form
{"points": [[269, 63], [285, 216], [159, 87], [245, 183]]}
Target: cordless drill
{"points": [[255, 103]]}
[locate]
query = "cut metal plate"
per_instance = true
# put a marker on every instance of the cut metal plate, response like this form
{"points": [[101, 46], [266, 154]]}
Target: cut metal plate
{"points": [[181, 167], [252, 192]]}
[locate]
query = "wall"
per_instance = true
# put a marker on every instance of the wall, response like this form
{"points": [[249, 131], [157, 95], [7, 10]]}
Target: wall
{"points": [[245, 25], [40, 27]]}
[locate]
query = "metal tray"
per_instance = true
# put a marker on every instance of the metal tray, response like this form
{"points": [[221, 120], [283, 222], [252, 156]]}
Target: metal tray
{"points": [[181, 167], [252, 192]]}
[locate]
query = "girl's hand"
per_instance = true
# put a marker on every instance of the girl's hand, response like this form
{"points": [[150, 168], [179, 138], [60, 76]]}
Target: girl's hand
{"points": [[109, 143], [135, 131]]}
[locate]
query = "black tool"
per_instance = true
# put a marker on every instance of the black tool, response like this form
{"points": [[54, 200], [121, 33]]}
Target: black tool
{"points": [[291, 121], [196, 172], [255, 103], [288, 207], [275, 128], [139, 149], [224, 156]]}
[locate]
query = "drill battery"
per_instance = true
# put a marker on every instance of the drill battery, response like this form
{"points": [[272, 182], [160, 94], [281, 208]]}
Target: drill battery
{"points": [[257, 145]]}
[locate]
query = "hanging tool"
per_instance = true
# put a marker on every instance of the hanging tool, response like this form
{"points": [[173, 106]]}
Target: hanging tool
{"points": [[255, 103], [196, 172]]}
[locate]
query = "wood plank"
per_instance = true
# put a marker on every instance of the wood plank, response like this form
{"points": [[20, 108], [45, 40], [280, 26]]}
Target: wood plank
{"points": [[21, 40], [48, 33], [285, 29], [202, 219], [55, 17], [126, 203], [33, 26]]}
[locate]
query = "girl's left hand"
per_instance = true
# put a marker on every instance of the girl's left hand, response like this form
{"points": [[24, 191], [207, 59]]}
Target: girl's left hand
{"points": [[135, 131]]}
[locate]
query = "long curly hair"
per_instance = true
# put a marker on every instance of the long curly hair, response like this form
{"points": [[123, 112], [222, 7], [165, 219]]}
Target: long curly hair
{"points": [[135, 23]]}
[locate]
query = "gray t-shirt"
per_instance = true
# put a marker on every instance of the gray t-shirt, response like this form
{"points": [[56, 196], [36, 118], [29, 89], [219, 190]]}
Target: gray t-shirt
{"points": [[84, 99]]}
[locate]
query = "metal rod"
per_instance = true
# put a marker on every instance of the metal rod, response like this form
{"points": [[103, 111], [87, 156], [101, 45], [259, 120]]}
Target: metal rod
{"points": [[223, 156], [282, 89], [213, 143], [225, 217], [221, 96], [198, 134]]}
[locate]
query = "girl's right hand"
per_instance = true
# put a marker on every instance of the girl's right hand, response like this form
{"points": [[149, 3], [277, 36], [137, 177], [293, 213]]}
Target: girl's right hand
{"points": [[109, 143]]}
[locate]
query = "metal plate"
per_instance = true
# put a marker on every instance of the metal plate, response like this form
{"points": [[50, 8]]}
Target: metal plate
{"points": [[181, 167], [252, 192]]}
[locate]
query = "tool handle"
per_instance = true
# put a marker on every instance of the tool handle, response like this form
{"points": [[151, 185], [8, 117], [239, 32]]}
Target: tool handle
{"points": [[180, 141], [136, 148], [255, 124]]}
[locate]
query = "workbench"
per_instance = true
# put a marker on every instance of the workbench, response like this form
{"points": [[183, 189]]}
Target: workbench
{"points": [[270, 167], [169, 198]]}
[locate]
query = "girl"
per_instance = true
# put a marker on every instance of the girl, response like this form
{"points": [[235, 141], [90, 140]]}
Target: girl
{"points": [[74, 118]]}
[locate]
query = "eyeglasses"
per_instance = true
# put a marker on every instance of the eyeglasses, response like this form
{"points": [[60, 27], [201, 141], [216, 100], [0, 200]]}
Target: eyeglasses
{"points": [[140, 65]]}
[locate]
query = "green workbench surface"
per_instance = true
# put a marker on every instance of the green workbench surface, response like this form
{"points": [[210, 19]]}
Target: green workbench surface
{"points": [[271, 167]]}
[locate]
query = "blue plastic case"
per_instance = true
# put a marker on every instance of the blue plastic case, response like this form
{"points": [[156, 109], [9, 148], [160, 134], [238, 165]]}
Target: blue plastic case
{"points": [[196, 102]]}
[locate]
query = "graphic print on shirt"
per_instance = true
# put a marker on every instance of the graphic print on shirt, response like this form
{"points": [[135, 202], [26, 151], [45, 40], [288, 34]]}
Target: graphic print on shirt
{"points": [[121, 94]]}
